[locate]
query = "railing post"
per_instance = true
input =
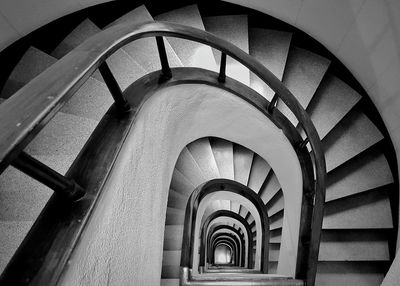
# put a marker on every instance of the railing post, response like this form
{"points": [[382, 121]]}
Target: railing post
{"points": [[303, 143], [166, 71], [273, 103], [47, 176], [113, 86], [222, 68]]}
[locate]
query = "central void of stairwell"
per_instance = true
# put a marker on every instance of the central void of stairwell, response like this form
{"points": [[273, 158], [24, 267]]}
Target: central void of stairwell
{"points": [[123, 241]]}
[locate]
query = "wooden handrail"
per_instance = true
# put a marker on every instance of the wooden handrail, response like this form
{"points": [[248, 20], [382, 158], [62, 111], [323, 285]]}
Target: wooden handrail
{"points": [[24, 114]]}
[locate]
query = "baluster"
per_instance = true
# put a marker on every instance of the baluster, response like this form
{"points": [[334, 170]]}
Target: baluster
{"points": [[166, 71], [47, 176], [222, 68], [273, 103], [113, 86]]}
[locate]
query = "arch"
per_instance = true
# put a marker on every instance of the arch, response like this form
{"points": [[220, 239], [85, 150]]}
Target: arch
{"points": [[213, 186], [244, 243], [233, 215], [227, 245], [233, 241]]}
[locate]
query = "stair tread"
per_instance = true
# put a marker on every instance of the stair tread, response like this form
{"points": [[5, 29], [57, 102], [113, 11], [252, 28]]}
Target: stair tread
{"points": [[259, 171], [181, 184], [174, 216], [354, 134], [332, 101], [223, 154], [170, 271], [144, 51], [190, 53], [92, 100], [170, 282], [32, 63], [12, 234], [276, 221], [353, 245], [303, 74], [270, 48], [270, 189], [365, 173], [171, 257], [276, 204], [189, 168], [177, 200], [173, 237], [123, 67], [204, 157], [61, 136], [242, 160], [351, 212], [234, 29], [355, 273], [235, 207]]}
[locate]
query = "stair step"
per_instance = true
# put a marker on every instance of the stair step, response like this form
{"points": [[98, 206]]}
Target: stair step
{"points": [[187, 165], [276, 204], [181, 184], [223, 154], [275, 236], [270, 189], [303, 74], [65, 134], [177, 200], [173, 237], [12, 234], [234, 29], [191, 54], [175, 216], [259, 171], [169, 282], [276, 221], [170, 271], [77, 36], [270, 48], [123, 67], [21, 197], [354, 134], [243, 211], [363, 173], [274, 252], [242, 160], [144, 51], [355, 273], [332, 101], [368, 210], [92, 100], [32, 63], [353, 245], [171, 257], [204, 157]]}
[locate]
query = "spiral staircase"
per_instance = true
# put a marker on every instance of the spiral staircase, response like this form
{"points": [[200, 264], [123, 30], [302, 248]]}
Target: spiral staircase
{"points": [[358, 224]]}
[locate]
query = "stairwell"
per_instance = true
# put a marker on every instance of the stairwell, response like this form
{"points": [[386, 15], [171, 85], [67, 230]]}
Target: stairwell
{"points": [[358, 224]]}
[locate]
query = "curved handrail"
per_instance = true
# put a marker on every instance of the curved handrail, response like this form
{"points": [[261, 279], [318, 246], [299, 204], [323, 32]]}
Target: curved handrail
{"points": [[28, 111]]}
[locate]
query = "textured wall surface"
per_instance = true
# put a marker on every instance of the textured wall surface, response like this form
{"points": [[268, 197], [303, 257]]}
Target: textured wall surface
{"points": [[123, 241]]}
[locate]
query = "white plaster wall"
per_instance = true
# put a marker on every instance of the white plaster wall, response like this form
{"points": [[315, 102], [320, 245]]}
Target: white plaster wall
{"points": [[122, 244]]}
